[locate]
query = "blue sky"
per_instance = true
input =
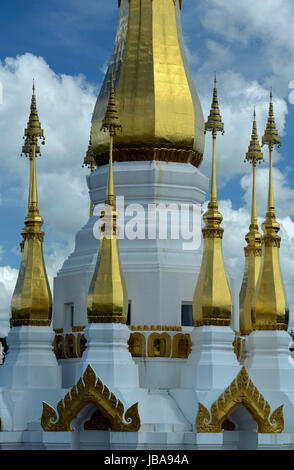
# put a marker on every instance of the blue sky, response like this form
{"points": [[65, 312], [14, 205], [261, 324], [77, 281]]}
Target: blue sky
{"points": [[66, 44]]}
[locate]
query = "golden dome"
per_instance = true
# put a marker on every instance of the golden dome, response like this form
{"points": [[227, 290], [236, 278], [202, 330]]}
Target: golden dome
{"points": [[159, 108]]}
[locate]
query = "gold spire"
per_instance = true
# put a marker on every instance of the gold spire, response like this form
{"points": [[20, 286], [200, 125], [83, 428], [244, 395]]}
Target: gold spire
{"points": [[270, 308], [89, 161], [253, 239], [108, 297], [32, 302], [212, 302], [159, 108]]}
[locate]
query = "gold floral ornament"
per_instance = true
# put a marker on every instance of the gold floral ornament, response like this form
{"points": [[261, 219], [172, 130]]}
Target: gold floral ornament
{"points": [[90, 390], [240, 392]]}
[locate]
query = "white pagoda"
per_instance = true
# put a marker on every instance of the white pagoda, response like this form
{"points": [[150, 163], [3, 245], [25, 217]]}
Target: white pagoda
{"points": [[145, 344]]}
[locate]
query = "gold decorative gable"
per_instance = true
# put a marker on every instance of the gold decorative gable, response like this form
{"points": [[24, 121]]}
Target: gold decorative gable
{"points": [[240, 392], [90, 390]]}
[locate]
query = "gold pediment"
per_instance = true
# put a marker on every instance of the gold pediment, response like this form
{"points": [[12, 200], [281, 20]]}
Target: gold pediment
{"points": [[241, 392], [90, 390]]}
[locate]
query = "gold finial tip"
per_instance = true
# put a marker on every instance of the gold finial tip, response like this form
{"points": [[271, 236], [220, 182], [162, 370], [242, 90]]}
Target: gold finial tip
{"points": [[33, 85], [215, 80], [271, 93], [254, 113]]}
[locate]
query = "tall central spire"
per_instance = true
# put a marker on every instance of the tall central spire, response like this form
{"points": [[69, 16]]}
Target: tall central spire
{"points": [[212, 302], [32, 301], [157, 103]]}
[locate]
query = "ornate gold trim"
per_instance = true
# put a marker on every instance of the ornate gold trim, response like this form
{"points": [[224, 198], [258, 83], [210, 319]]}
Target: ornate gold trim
{"points": [[159, 345], [81, 344], [239, 344], [70, 346], [62, 346], [182, 346], [273, 327], [58, 330], [213, 322], [59, 347], [77, 329], [150, 154], [213, 232], [240, 392], [27, 322], [156, 328], [137, 345], [110, 319], [90, 390]]}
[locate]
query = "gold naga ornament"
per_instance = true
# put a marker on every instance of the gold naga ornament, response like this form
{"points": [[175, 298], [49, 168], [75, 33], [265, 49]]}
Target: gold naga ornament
{"points": [[32, 301], [212, 301], [158, 105], [108, 298], [270, 308], [110, 412], [89, 162], [253, 239], [241, 392]]}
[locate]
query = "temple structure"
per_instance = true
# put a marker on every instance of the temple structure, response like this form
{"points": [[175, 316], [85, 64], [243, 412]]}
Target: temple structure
{"points": [[150, 345]]}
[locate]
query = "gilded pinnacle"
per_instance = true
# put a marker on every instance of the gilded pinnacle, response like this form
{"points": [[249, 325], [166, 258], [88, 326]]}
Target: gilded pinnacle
{"points": [[212, 301], [34, 131], [89, 160], [108, 298], [212, 217], [270, 307], [254, 153], [111, 120], [271, 136], [32, 302], [253, 239], [214, 123]]}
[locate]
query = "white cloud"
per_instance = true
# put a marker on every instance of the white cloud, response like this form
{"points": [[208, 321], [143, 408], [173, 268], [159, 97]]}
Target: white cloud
{"points": [[237, 99], [269, 27], [283, 192], [8, 277], [65, 106], [236, 225]]}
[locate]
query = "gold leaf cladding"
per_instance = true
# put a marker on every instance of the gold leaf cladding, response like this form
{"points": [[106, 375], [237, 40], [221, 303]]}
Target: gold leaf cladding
{"points": [[90, 390], [240, 392]]}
